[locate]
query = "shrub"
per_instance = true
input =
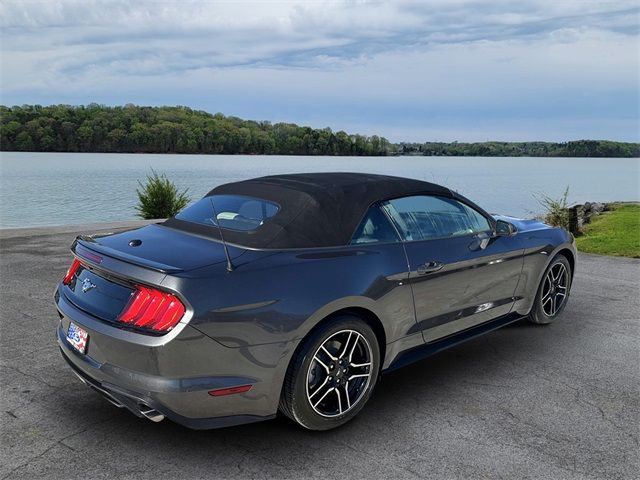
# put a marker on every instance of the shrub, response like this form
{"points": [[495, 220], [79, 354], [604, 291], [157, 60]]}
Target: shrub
{"points": [[159, 197], [557, 211]]}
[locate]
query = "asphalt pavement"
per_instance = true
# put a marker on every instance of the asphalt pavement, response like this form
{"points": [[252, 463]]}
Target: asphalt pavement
{"points": [[526, 401]]}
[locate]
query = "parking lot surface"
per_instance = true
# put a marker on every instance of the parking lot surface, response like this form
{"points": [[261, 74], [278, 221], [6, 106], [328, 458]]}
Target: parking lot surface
{"points": [[526, 401]]}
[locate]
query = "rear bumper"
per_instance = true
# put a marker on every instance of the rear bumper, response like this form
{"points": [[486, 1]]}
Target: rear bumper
{"points": [[173, 379], [147, 405]]}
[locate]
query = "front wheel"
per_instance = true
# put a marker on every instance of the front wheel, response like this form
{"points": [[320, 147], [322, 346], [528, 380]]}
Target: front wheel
{"points": [[553, 292], [332, 374]]}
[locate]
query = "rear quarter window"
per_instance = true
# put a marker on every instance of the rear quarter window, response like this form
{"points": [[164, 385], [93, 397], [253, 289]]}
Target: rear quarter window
{"points": [[375, 228], [232, 212]]}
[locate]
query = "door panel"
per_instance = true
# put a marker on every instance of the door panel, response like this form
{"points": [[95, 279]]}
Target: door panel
{"points": [[473, 284]]}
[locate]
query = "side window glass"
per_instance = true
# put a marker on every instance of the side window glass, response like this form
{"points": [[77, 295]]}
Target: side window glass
{"points": [[477, 222], [424, 217], [374, 228]]}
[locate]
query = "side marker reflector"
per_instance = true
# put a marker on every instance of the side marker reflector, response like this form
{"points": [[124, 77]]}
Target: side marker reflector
{"points": [[220, 392]]}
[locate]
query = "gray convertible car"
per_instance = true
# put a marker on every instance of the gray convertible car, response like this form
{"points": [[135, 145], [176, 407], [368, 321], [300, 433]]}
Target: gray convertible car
{"points": [[294, 293]]}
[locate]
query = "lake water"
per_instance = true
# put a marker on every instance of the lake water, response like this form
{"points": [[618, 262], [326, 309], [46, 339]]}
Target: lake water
{"points": [[39, 189]]}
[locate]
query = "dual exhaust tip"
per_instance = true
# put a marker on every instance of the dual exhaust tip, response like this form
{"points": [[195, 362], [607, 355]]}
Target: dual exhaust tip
{"points": [[144, 409], [150, 413]]}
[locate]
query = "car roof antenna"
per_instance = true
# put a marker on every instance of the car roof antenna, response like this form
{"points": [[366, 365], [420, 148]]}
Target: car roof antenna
{"points": [[230, 266]]}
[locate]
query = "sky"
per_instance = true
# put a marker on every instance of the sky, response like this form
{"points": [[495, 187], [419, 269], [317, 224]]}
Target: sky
{"points": [[442, 70]]}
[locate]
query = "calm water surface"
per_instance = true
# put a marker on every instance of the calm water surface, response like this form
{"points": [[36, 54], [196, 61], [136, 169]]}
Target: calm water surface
{"points": [[38, 189]]}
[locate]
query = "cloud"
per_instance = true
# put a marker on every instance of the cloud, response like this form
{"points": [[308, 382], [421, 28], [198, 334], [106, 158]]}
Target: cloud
{"points": [[471, 67]]}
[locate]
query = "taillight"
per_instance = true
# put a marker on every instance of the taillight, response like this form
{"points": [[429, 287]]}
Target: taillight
{"points": [[71, 272], [152, 309]]}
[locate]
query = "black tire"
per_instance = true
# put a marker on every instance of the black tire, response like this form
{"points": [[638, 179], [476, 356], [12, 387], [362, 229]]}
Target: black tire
{"points": [[541, 313], [295, 402]]}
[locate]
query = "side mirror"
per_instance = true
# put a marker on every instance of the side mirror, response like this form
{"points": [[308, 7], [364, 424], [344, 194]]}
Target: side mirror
{"points": [[505, 229]]}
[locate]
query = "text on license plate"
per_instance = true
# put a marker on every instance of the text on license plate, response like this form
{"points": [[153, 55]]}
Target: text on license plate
{"points": [[77, 337]]}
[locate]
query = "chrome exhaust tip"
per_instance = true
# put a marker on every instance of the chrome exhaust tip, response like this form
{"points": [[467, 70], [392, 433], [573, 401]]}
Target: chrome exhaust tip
{"points": [[151, 413]]}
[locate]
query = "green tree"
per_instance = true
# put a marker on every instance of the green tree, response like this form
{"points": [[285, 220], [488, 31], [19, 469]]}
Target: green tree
{"points": [[131, 128], [24, 142]]}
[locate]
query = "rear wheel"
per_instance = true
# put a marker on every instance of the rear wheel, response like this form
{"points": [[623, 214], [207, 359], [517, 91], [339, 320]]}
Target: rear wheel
{"points": [[553, 292], [332, 374]]}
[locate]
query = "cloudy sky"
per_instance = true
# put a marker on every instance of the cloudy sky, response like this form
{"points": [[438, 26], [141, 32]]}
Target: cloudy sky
{"points": [[409, 70]]}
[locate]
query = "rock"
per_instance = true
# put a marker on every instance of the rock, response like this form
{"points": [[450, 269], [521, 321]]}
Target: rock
{"points": [[580, 214]]}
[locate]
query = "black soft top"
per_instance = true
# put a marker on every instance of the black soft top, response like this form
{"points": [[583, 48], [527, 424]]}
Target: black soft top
{"points": [[316, 209]]}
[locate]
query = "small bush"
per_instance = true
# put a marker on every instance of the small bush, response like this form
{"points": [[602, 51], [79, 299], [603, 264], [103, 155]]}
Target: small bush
{"points": [[557, 209], [159, 197]]}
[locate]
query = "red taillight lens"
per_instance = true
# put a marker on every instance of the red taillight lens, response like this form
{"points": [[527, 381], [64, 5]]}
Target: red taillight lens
{"points": [[152, 309], [71, 272]]}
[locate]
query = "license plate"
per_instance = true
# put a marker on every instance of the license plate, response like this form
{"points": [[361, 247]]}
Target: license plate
{"points": [[77, 337]]}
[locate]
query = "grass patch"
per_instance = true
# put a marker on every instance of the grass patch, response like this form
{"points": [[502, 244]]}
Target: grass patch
{"points": [[615, 232]]}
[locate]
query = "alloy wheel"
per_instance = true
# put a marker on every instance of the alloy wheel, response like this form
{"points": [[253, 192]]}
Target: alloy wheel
{"points": [[339, 373], [554, 290]]}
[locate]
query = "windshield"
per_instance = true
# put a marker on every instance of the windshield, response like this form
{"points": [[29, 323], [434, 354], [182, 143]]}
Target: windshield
{"points": [[233, 212]]}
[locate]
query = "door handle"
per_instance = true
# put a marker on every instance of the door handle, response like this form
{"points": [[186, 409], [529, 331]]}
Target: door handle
{"points": [[429, 267]]}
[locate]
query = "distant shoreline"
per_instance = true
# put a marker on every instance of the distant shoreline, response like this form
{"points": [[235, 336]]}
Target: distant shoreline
{"points": [[181, 130]]}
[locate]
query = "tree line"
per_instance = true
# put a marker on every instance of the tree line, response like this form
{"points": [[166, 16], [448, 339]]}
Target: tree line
{"points": [[577, 148], [136, 129]]}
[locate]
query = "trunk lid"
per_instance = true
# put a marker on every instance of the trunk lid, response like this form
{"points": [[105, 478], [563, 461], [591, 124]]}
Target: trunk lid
{"points": [[97, 294], [160, 248], [111, 268]]}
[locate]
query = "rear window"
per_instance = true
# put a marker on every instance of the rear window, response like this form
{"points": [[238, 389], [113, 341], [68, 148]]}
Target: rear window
{"points": [[233, 212]]}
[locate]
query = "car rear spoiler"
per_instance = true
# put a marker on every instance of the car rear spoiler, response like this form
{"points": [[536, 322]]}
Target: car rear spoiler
{"points": [[90, 249]]}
